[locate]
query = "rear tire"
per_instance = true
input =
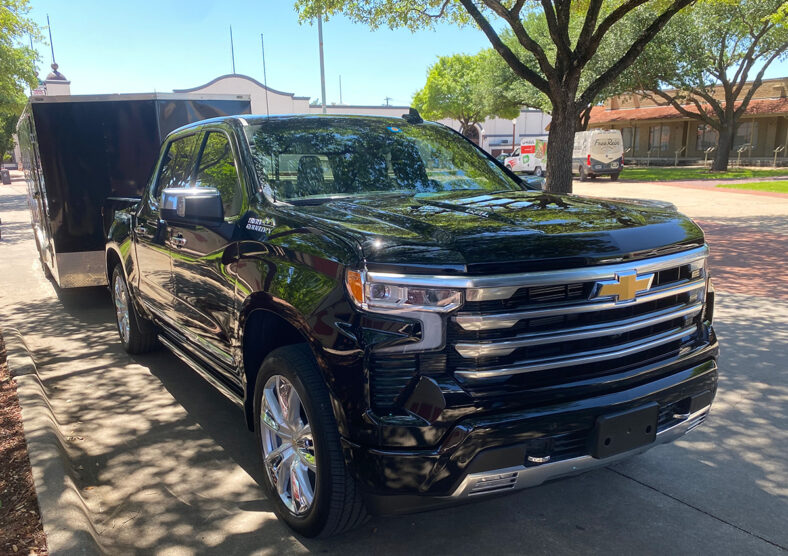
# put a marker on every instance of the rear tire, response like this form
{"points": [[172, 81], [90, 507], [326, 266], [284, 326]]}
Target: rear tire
{"points": [[614, 177], [583, 175], [137, 334], [336, 504], [538, 172]]}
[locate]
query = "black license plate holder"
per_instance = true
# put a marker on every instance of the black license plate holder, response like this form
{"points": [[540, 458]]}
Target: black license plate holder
{"points": [[620, 432]]}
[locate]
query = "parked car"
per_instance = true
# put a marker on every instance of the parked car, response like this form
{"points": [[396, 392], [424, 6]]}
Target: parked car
{"points": [[598, 152], [403, 323], [530, 157]]}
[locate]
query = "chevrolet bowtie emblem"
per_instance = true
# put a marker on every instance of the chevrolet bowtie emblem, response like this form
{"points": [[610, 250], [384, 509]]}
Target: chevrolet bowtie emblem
{"points": [[625, 287]]}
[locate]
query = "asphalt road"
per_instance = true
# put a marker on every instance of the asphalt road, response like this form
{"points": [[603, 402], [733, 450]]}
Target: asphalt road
{"points": [[166, 465]]}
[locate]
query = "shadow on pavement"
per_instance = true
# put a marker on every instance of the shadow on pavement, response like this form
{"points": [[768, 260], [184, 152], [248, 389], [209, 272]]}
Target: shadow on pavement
{"points": [[157, 468]]}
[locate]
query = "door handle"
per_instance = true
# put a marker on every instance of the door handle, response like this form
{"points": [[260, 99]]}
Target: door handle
{"points": [[178, 241]]}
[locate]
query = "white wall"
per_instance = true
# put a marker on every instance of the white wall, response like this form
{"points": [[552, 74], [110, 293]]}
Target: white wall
{"points": [[278, 101]]}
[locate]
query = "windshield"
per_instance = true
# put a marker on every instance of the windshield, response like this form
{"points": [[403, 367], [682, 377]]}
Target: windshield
{"points": [[311, 158]]}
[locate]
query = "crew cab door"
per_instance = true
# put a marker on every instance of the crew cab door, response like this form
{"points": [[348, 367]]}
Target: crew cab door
{"points": [[202, 259], [154, 266]]}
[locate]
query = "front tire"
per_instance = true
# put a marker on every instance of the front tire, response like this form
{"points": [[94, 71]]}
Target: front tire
{"points": [[305, 476], [538, 172], [136, 334]]}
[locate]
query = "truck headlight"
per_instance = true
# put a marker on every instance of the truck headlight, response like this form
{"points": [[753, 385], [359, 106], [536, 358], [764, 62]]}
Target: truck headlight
{"points": [[379, 295]]}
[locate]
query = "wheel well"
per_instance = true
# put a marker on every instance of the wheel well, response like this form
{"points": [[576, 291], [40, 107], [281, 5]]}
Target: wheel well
{"points": [[112, 259], [264, 332]]}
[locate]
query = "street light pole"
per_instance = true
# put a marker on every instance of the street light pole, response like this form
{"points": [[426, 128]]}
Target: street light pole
{"points": [[514, 125], [322, 67]]}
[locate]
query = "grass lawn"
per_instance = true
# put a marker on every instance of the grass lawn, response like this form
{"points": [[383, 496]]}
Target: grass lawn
{"points": [[773, 186], [655, 173]]}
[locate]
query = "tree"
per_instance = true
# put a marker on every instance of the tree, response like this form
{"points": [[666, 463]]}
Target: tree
{"points": [[612, 47], [560, 60], [459, 87], [17, 63], [717, 45]]}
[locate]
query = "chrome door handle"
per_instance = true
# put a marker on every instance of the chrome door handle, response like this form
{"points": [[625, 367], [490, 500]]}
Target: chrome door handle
{"points": [[178, 241]]}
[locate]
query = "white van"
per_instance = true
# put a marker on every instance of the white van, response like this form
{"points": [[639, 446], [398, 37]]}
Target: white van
{"points": [[598, 152], [530, 156]]}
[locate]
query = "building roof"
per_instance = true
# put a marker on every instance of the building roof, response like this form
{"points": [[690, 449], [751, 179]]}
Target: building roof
{"points": [[239, 76], [603, 115]]}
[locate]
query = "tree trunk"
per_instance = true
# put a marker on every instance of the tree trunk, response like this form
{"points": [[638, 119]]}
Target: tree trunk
{"points": [[560, 144], [723, 152]]}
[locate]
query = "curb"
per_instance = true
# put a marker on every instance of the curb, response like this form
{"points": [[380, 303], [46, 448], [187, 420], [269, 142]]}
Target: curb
{"points": [[64, 514]]}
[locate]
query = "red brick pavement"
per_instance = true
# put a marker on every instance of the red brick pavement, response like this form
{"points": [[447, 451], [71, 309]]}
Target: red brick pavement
{"points": [[748, 260]]}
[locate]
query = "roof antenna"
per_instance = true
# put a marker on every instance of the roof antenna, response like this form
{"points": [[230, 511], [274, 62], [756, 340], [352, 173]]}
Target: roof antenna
{"points": [[413, 116], [265, 79], [51, 44], [232, 48]]}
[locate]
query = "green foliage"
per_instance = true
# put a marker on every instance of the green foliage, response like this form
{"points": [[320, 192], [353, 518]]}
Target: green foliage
{"points": [[719, 39], [770, 186], [657, 173], [17, 65], [646, 70], [460, 87]]}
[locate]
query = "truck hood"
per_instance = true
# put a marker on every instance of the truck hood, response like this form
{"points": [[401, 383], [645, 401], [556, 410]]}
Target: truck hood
{"points": [[512, 231]]}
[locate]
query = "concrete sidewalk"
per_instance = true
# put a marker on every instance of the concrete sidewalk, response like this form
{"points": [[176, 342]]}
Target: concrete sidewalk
{"points": [[165, 464]]}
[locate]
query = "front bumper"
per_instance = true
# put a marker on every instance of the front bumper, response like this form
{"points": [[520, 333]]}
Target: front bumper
{"points": [[488, 454]]}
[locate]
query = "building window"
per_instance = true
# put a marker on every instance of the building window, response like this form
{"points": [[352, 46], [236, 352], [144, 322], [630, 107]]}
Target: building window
{"points": [[659, 138], [747, 134], [631, 138], [706, 136]]}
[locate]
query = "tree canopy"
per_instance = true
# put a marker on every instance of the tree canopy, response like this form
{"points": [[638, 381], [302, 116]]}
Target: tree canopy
{"points": [[559, 57], [17, 64], [461, 87], [717, 45]]}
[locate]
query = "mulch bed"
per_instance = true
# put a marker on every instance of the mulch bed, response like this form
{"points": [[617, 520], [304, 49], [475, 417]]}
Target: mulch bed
{"points": [[21, 531]]}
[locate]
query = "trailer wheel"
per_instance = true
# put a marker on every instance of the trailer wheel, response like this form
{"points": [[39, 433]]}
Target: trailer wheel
{"points": [[137, 334], [583, 174]]}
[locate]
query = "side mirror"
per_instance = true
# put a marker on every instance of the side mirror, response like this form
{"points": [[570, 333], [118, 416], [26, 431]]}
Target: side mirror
{"points": [[192, 205]]}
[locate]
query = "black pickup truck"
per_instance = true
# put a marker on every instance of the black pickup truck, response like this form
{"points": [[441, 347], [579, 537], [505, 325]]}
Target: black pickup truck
{"points": [[404, 324]]}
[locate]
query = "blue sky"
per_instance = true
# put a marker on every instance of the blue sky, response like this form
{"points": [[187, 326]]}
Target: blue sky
{"points": [[147, 45]]}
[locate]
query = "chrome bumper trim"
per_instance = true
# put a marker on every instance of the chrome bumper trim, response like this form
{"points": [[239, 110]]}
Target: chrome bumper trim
{"points": [[580, 358], [491, 348], [470, 321], [502, 480], [503, 286]]}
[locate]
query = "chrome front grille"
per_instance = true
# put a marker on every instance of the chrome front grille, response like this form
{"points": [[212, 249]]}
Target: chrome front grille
{"points": [[549, 329]]}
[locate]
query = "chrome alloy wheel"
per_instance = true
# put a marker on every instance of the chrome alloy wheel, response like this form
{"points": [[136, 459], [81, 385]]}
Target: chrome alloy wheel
{"points": [[121, 297], [288, 445]]}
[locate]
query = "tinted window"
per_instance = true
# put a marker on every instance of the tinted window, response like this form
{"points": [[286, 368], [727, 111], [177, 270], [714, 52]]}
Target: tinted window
{"points": [[217, 169], [177, 164], [319, 157]]}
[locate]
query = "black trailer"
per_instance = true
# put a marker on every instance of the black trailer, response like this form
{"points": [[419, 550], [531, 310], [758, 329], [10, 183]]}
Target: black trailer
{"points": [[85, 156]]}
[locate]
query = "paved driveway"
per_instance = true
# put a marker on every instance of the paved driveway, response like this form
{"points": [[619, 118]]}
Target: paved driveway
{"points": [[166, 464]]}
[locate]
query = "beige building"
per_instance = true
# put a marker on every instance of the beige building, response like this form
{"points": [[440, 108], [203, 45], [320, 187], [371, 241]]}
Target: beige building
{"points": [[656, 133]]}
